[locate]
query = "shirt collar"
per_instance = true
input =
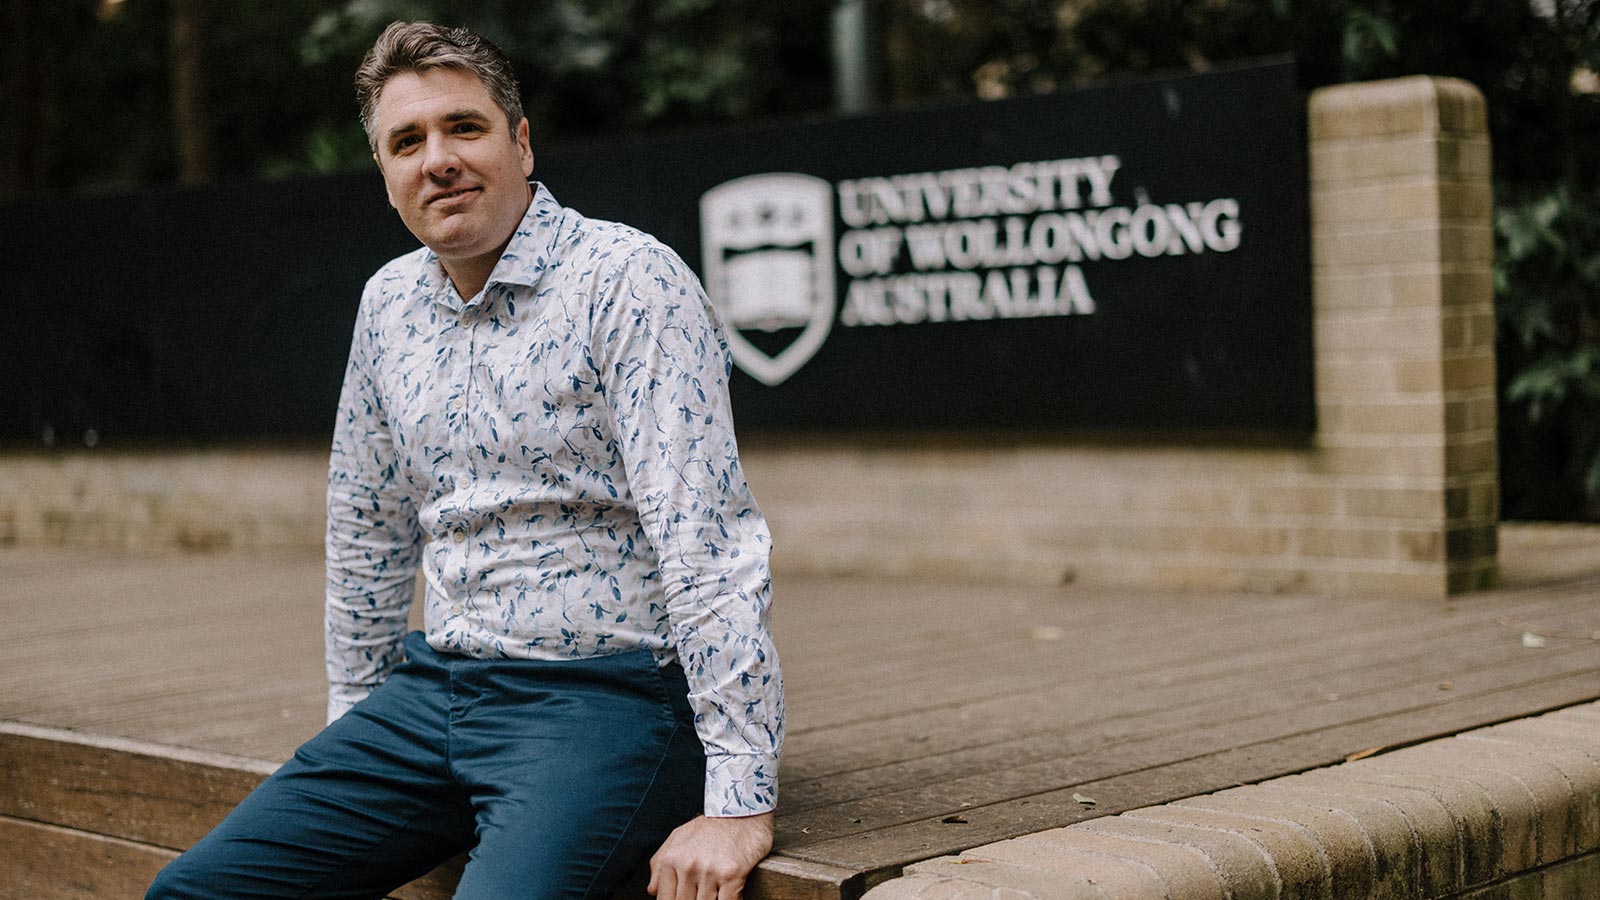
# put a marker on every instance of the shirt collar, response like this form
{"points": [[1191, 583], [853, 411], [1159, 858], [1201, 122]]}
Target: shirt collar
{"points": [[524, 261]]}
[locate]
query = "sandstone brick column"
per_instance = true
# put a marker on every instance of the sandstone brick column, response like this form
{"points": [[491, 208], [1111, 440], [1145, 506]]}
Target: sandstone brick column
{"points": [[1401, 254]]}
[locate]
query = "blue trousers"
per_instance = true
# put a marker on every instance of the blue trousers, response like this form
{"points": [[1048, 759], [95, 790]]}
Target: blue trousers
{"points": [[562, 777]]}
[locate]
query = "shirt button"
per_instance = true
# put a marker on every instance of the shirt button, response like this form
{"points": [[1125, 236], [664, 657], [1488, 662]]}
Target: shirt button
{"points": [[459, 536], [456, 610]]}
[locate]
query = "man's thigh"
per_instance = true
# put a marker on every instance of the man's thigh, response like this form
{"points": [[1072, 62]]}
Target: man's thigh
{"points": [[363, 807], [578, 777]]}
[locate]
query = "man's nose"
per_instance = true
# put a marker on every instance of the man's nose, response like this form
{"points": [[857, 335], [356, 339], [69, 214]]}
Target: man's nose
{"points": [[440, 159]]}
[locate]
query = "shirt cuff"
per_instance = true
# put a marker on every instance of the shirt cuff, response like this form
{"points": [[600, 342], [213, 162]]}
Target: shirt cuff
{"points": [[341, 697], [741, 785]]}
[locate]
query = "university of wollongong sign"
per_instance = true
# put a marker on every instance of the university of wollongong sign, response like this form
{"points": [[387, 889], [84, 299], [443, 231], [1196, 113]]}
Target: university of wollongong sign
{"points": [[962, 245], [1017, 225], [1124, 257]]}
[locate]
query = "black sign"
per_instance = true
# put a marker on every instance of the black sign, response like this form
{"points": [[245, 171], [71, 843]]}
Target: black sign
{"points": [[186, 315], [1131, 256]]}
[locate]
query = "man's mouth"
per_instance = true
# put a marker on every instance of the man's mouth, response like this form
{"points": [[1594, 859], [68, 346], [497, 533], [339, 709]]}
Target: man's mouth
{"points": [[451, 195]]}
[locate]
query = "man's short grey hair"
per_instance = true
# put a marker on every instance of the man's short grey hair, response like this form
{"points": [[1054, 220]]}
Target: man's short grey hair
{"points": [[420, 46]]}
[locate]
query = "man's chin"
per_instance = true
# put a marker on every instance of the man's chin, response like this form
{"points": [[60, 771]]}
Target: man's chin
{"points": [[465, 246], [454, 236]]}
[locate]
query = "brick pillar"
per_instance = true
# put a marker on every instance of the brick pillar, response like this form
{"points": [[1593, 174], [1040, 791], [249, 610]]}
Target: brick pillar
{"points": [[1402, 250]]}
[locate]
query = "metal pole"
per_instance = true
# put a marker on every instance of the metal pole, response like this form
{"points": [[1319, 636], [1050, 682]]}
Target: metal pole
{"points": [[855, 64]]}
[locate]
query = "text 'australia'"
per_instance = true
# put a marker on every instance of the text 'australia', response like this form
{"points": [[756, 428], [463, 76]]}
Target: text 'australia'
{"points": [[999, 242]]}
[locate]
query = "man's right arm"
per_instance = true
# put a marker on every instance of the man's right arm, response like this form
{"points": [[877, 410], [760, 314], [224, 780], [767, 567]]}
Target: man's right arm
{"points": [[373, 539]]}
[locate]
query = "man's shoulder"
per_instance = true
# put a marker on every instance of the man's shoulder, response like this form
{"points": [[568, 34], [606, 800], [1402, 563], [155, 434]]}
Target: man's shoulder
{"points": [[396, 283], [618, 242], [591, 244]]}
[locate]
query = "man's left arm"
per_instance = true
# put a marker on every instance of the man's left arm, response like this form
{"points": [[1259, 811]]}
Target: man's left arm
{"points": [[663, 364]]}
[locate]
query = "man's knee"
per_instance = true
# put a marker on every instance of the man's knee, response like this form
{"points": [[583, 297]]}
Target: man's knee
{"points": [[204, 874], [175, 881]]}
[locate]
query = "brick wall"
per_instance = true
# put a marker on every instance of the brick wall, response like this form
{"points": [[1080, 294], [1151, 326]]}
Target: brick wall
{"points": [[255, 500], [1396, 491]]}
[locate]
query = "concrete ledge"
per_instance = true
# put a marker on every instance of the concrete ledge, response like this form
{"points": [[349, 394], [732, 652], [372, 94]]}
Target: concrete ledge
{"points": [[1512, 810]]}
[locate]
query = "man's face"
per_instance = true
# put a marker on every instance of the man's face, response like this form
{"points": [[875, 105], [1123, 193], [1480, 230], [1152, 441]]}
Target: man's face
{"points": [[453, 170]]}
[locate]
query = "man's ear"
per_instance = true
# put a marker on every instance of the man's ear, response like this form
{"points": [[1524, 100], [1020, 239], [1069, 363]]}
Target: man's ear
{"points": [[524, 148]]}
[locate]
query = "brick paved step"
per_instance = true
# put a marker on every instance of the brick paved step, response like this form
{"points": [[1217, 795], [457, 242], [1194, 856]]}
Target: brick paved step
{"points": [[1512, 810]]}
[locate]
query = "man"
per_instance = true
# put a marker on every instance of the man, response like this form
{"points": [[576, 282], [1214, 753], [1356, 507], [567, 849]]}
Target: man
{"points": [[535, 414]]}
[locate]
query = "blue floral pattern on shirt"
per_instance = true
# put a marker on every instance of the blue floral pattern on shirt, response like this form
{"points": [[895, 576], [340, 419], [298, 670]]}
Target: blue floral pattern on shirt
{"points": [[556, 455]]}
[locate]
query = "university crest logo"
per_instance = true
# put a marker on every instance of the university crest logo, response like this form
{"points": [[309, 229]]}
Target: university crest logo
{"points": [[767, 243]]}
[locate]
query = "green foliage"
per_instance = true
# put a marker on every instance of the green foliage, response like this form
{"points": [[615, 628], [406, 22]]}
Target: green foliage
{"points": [[1555, 379], [108, 121], [325, 149], [1547, 301], [594, 67], [277, 76], [1367, 35], [348, 29]]}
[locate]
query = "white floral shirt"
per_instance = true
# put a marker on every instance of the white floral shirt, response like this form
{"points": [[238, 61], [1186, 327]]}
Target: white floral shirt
{"points": [[557, 456]]}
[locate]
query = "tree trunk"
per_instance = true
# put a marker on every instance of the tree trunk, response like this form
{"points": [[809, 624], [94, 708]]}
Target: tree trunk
{"points": [[192, 129], [21, 98]]}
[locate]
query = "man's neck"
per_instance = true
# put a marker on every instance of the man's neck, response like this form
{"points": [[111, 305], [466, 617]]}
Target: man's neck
{"points": [[470, 275]]}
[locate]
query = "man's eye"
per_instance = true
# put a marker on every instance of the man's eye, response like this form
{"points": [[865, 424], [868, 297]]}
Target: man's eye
{"points": [[465, 127], [405, 142]]}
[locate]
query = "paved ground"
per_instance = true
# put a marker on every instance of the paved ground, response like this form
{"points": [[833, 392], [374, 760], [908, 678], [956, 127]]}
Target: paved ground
{"points": [[926, 718]]}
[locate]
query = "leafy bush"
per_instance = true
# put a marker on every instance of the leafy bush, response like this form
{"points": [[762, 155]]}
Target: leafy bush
{"points": [[1547, 301]]}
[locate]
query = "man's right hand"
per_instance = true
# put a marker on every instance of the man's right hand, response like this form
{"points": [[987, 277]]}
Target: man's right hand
{"points": [[709, 859]]}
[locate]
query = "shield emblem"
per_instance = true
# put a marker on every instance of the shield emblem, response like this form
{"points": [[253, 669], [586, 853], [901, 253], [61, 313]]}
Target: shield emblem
{"points": [[767, 247]]}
